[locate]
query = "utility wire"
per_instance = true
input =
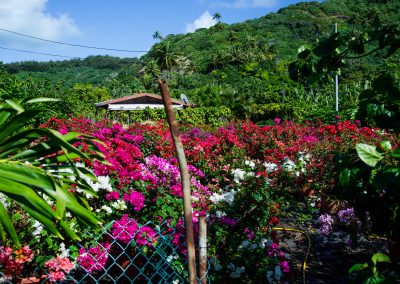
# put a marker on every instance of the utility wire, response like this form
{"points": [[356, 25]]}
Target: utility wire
{"points": [[71, 44], [33, 52]]}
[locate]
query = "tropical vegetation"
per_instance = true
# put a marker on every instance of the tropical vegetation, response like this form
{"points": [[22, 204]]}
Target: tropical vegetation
{"points": [[267, 151]]}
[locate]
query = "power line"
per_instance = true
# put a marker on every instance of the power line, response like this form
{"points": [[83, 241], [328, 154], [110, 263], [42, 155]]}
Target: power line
{"points": [[33, 52], [72, 44]]}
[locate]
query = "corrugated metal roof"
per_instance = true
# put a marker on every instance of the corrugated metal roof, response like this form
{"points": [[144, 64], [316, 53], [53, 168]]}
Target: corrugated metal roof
{"points": [[125, 100]]}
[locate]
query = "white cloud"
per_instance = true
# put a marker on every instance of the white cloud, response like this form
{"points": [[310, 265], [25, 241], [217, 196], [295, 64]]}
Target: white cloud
{"points": [[239, 4], [30, 17], [204, 21]]}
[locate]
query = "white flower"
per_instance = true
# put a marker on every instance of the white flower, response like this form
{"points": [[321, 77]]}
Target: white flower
{"points": [[229, 197], [215, 198], [119, 205], [238, 175], [3, 200], [270, 167], [37, 233], [47, 199], [220, 214], [288, 165], [171, 257], [250, 163], [104, 182], [262, 243], [64, 252], [106, 208]]}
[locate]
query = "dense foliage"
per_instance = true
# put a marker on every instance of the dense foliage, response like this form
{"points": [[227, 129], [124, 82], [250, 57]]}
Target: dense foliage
{"points": [[243, 176], [244, 64]]}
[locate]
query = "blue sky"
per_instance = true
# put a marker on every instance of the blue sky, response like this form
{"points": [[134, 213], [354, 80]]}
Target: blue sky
{"points": [[120, 24]]}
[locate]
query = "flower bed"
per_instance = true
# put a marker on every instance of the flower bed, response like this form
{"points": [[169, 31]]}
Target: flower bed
{"points": [[243, 178]]}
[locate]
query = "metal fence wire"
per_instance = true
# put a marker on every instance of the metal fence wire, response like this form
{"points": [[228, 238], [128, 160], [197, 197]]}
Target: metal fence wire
{"points": [[153, 254]]}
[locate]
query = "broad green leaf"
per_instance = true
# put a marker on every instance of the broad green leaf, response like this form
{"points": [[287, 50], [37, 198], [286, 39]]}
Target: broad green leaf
{"points": [[15, 105], [61, 202], [26, 174], [71, 234], [396, 153], [386, 145], [7, 225], [41, 100], [47, 223], [358, 267], [368, 154], [380, 257]]}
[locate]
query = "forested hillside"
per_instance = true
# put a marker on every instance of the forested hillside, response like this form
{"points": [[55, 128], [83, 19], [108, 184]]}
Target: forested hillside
{"points": [[244, 65]]}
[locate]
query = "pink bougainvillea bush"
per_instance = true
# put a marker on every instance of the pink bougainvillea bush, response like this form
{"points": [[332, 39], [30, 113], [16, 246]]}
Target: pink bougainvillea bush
{"points": [[243, 176]]}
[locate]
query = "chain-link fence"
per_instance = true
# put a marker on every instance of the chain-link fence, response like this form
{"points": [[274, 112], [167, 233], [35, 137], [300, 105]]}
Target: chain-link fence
{"points": [[120, 253]]}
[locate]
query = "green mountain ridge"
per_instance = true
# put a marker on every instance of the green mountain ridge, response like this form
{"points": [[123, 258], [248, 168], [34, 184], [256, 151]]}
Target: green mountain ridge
{"points": [[238, 65]]}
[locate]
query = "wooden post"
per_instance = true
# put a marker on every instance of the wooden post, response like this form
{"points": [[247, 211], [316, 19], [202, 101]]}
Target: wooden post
{"points": [[203, 249], [183, 168]]}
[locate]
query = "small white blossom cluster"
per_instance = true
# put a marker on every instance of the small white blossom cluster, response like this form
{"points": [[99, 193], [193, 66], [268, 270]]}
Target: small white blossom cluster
{"points": [[105, 208], [270, 167], [290, 166], [228, 197], [119, 205], [250, 163], [37, 233], [103, 182], [172, 257], [239, 175], [64, 252], [46, 198], [4, 201]]}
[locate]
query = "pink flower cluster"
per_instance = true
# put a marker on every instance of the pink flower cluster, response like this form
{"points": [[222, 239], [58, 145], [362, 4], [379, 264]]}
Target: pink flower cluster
{"points": [[126, 229], [58, 268], [13, 260], [95, 258], [145, 236], [274, 251], [136, 199]]}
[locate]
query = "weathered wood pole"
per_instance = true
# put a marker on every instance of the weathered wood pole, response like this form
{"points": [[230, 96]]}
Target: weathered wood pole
{"points": [[203, 249], [183, 168]]}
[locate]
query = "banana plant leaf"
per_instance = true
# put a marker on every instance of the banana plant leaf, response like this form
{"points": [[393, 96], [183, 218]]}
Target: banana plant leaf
{"points": [[39, 164]]}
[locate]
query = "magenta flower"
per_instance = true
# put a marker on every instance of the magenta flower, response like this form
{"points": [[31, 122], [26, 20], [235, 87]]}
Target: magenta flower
{"points": [[124, 229], [284, 266], [114, 195], [95, 258], [145, 236], [136, 199], [277, 120]]}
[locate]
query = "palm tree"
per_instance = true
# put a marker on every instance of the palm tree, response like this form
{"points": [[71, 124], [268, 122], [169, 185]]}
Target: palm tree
{"points": [[165, 56], [157, 35], [37, 164], [217, 16]]}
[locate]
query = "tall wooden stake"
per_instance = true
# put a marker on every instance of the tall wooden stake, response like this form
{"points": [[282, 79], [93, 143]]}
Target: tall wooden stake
{"points": [[187, 206], [336, 85], [203, 249]]}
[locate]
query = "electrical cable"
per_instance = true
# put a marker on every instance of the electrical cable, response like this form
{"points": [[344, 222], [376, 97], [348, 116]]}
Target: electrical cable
{"points": [[40, 53], [72, 44]]}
